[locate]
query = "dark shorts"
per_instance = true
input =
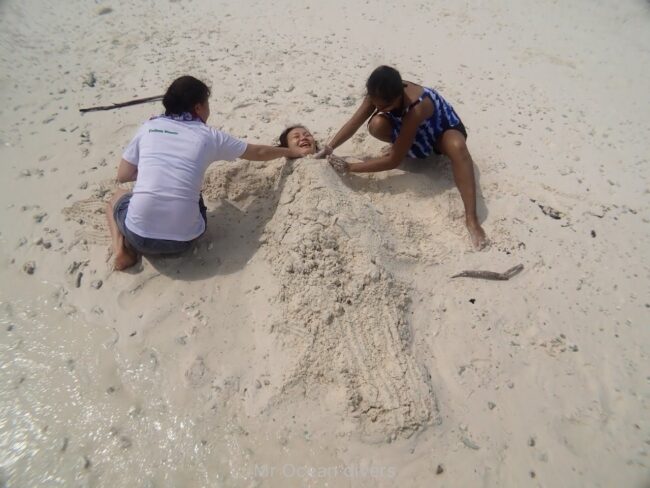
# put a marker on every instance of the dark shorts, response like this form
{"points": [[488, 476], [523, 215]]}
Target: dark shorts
{"points": [[460, 127], [395, 130], [146, 245]]}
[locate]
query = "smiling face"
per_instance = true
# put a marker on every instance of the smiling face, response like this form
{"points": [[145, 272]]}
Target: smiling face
{"points": [[299, 137]]}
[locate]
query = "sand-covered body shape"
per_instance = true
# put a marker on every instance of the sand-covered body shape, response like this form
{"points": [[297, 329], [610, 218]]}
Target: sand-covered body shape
{"points": [[344, 316]]}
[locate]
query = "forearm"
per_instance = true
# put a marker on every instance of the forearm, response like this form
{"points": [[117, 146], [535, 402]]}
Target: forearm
{"points": [[374, 165], [347, 131], [362, 114], [255, 152], [126, 172], [127, 179]]}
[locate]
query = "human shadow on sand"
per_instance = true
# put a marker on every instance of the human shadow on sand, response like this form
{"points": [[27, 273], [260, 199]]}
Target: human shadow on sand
{"points": [[421, 177], [232, 237]]}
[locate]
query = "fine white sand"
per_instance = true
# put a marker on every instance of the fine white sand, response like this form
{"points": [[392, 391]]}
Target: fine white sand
{"points": [[314, 337]]}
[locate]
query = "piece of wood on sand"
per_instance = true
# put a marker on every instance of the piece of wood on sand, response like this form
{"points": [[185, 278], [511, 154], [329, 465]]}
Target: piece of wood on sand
{"points": [[491, 275], [137, 101]]}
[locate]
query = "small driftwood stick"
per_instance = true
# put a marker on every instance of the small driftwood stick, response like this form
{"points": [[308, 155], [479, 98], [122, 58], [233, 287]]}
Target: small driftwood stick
{"points": [[491, 275], [137, 101]]}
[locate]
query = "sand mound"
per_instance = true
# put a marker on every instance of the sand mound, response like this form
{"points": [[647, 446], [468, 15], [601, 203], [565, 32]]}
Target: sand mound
{"points": [[343, 313], [240, 181]]}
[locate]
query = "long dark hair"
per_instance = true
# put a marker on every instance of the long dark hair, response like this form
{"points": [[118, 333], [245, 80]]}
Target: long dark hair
{"points": [[385, 83], [183, 95]]}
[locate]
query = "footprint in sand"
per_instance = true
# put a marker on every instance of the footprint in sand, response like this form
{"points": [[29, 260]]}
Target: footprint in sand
{"points": [[90, 214], [197, 374]]}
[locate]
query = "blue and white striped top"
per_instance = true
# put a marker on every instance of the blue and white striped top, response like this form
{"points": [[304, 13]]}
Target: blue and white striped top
{"points": [[444, 117]]}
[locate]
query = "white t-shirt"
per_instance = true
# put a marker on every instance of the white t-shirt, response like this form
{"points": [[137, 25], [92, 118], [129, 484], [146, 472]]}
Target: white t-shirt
{"points": [[172, 157]]}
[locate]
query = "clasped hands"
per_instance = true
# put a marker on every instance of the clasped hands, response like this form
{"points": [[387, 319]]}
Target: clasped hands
{"points": [[339, 164]]}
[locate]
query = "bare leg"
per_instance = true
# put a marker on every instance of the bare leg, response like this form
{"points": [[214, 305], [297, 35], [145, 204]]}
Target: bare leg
{"points": [[380, 128], [124, 256], [452, 144]]}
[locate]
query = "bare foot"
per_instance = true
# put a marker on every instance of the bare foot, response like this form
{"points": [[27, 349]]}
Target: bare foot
{"points": [[476, 234], [124, 257]]}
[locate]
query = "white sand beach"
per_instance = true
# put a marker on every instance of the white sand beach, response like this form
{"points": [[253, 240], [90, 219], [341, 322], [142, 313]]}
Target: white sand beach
{"points": [[314, 336]]}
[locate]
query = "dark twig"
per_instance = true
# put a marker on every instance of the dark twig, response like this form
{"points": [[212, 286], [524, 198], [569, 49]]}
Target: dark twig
{"points": [[491, 275], [137, 101]]}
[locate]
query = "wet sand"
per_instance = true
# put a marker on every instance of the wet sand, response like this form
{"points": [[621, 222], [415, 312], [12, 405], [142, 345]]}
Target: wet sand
{"points": [[314, 336]]}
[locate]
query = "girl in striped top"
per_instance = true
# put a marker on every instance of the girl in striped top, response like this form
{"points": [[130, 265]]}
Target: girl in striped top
{"points": [[417, 121]]}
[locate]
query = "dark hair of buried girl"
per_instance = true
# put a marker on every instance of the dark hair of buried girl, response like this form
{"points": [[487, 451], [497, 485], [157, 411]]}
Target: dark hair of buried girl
{"points": [[183, 95]]}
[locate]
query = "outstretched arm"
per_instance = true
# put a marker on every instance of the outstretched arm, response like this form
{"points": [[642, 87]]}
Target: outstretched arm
{"points": [[258, 152], [126, 171], [399, 149], [364, 111], [397, 152]]}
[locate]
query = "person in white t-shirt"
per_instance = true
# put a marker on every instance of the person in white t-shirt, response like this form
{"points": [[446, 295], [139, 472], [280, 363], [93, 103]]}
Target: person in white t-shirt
{"points": [[167, 159]]}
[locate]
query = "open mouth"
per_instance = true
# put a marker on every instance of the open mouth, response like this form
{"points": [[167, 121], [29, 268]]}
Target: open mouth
{"points": [[304, 144]]}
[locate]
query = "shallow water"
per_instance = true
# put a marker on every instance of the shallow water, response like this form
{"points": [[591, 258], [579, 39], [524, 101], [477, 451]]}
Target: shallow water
{"points": [[76, 411]]}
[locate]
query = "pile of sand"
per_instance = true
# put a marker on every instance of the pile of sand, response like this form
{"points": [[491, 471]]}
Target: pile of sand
{"points": [[344, 316]]}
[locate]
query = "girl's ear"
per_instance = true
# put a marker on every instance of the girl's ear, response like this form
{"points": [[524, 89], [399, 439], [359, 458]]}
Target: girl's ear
{"points": [[202, 111]]}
